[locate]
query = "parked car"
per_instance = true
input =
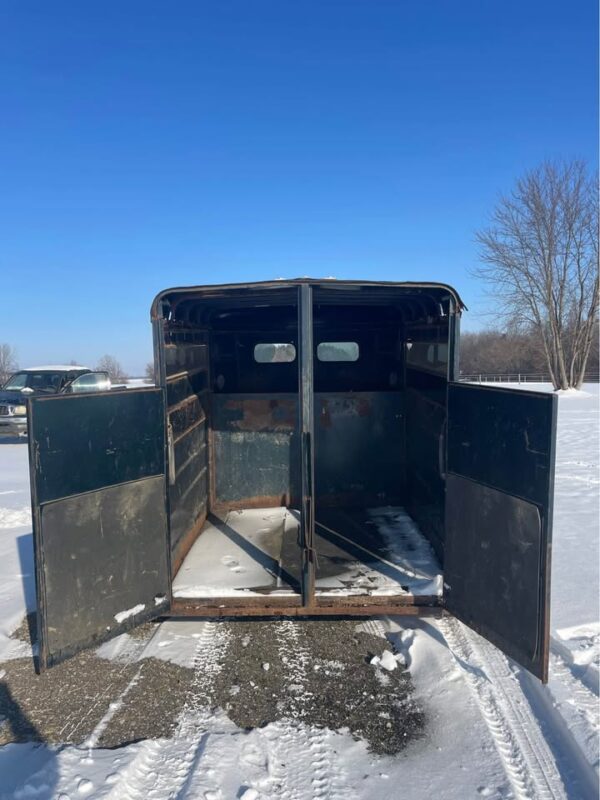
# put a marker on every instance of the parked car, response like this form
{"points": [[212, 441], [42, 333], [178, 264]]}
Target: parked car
{"points": [[43, 381]]}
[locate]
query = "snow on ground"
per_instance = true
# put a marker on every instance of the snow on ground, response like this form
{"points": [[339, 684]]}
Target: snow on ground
{"points": [[492, 731], [208, 757], [17, 591], [575, 617], [576, 551]]}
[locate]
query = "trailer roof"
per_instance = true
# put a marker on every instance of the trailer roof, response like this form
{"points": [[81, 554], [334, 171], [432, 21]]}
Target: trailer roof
{"points": [[281, 283]]}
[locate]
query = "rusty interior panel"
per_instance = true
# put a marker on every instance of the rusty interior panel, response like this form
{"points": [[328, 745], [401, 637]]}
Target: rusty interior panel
{"points": [[186, 379], [257, 430]]}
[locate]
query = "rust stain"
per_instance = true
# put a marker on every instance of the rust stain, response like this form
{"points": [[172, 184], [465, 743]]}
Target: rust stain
{"points": [[263, 414], [185, 543], [292, 607], [256, 501], [332, 407]]}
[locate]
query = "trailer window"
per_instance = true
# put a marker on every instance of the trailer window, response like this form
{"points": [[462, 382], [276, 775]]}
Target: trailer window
{"points": [[337, 351], [274, 353], [428, 356]]}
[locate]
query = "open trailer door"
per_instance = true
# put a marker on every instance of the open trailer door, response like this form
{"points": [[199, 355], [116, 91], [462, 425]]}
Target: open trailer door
{"points": [[97, 464], [499, 493]]}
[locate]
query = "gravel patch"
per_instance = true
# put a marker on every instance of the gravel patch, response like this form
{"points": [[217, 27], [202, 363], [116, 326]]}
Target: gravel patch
{"points": [[319, 673], [313, 671], [65, 704]]}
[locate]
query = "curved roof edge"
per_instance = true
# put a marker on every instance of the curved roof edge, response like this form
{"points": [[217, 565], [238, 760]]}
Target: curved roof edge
{"points": [[281, 282]]}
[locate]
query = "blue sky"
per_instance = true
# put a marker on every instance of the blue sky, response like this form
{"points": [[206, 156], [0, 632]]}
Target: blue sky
{"points": [[151, 144]]}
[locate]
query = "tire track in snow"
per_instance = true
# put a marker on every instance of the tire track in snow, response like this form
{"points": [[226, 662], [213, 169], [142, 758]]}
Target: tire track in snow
{"points": [[73, 721], [582, 691], [163, 769], [94, 737], [528, 761], [303, 765], [140, 774], [585, 678], [295, 658], [571, 710]]}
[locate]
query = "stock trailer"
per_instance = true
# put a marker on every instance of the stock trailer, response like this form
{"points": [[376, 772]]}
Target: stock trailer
{"points": [[307, 450]]}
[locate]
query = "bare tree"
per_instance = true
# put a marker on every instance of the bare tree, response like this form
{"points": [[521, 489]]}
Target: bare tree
{"points": [[149, 372], [115, 371], [540, 258], [8, 362]]}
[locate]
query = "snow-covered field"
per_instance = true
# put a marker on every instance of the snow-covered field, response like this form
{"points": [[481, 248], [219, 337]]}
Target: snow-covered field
{"points": [[492, 730]]}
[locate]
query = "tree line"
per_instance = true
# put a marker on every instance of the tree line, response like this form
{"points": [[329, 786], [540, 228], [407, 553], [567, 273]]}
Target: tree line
{"points": [[510, 353]]}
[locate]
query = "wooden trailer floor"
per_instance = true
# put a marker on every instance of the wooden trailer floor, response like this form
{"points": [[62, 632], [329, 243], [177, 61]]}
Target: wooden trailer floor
{"points": [[254, 552]]}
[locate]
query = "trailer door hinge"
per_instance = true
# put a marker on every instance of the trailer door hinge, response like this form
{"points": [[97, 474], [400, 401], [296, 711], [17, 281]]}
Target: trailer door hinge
{"points": [[36, 456], [171, 454]]}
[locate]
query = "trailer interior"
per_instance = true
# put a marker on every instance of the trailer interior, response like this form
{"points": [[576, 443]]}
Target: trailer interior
{"points": [[233, 360]]}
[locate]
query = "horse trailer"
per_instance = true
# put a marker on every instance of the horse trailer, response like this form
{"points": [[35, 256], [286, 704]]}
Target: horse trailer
{"points": [[307, 450]]}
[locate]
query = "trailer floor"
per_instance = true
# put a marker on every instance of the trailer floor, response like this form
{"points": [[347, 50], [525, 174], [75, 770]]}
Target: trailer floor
{"points": [[248, 552]]}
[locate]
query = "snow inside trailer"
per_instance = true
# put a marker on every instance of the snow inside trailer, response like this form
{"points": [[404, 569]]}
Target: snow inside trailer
{"points": [[307, 451]]}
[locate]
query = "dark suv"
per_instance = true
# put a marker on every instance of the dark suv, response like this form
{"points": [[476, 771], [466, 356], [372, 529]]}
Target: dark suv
{"points": [[43, 380]]}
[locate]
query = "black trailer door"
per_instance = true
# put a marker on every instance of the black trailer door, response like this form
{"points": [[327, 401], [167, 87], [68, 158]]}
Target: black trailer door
{"points": [[499, 491], [97, 464]]}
